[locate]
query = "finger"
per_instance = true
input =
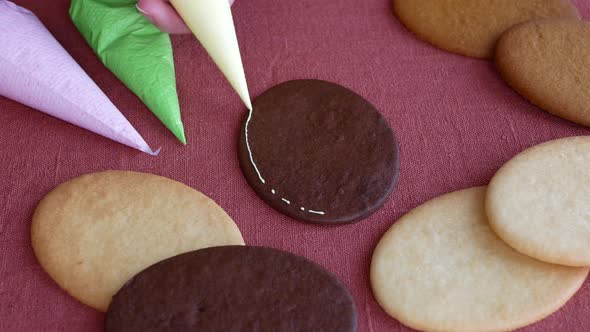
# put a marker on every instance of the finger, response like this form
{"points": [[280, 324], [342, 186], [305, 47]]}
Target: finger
{"points": [[162, 15]]}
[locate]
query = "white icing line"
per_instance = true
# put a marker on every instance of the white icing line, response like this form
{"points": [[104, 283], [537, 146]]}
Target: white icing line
{"points": [[249, 149], [258, 171]]}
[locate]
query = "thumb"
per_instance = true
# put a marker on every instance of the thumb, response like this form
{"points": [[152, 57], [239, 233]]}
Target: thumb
{"points": [[162, 14]]}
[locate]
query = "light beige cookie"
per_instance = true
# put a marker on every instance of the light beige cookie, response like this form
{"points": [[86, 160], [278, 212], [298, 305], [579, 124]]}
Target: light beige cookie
{"points": [[548, 62], [539, 202], [93, 233], [441, 268], [472, 27]]}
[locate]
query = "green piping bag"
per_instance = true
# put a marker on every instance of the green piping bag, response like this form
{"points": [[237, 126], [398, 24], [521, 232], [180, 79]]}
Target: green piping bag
{"points": [[137, 52]]}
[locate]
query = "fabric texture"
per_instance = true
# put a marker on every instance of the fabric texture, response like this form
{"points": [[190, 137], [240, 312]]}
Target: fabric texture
{"points": [[456, 122]]}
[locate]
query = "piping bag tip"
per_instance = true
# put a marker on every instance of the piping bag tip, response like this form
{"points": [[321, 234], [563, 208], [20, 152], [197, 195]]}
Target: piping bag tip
{"points": [[211, 21], [153, 153], [180, 136], [244, 94], [182, 140], [249, 105]]}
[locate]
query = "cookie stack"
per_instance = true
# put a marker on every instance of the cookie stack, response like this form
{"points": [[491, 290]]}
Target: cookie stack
{"points": [[541, 47], [159, 255], [492, 258]]}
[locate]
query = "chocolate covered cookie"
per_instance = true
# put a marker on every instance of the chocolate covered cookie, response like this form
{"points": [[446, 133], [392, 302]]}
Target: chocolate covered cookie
{"points": [[233, 288], [318, 152]]}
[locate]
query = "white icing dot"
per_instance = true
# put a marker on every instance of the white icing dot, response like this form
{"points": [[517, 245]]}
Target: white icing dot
{"points": [[286, 201]]}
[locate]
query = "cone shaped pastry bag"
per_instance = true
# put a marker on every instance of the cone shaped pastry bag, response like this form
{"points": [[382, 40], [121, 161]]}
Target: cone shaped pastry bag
{"points": [[37, 71], [135, 51], [212, 23]]}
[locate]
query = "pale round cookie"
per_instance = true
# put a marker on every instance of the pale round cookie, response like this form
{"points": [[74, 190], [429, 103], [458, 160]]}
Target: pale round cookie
{"points": [[93, 233], [548, 62], [441, 268], [539, 202], [472, 27]]}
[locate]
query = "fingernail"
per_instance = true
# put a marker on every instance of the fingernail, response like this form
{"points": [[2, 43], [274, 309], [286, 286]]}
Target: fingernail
{"points": [[146, 14]]}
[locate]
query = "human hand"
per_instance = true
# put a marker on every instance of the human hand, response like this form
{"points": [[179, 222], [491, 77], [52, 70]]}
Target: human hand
{"points": [[163, 15]]}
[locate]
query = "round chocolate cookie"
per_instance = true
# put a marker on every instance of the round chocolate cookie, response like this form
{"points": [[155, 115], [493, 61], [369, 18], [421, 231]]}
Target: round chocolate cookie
{"points": [[233, 288], [318, 152]]}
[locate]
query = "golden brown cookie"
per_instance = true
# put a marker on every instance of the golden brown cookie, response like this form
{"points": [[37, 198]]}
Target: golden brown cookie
{"points": [[548, 62], [93, 233], [472, 27], [538, 202], [441, 268]]}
